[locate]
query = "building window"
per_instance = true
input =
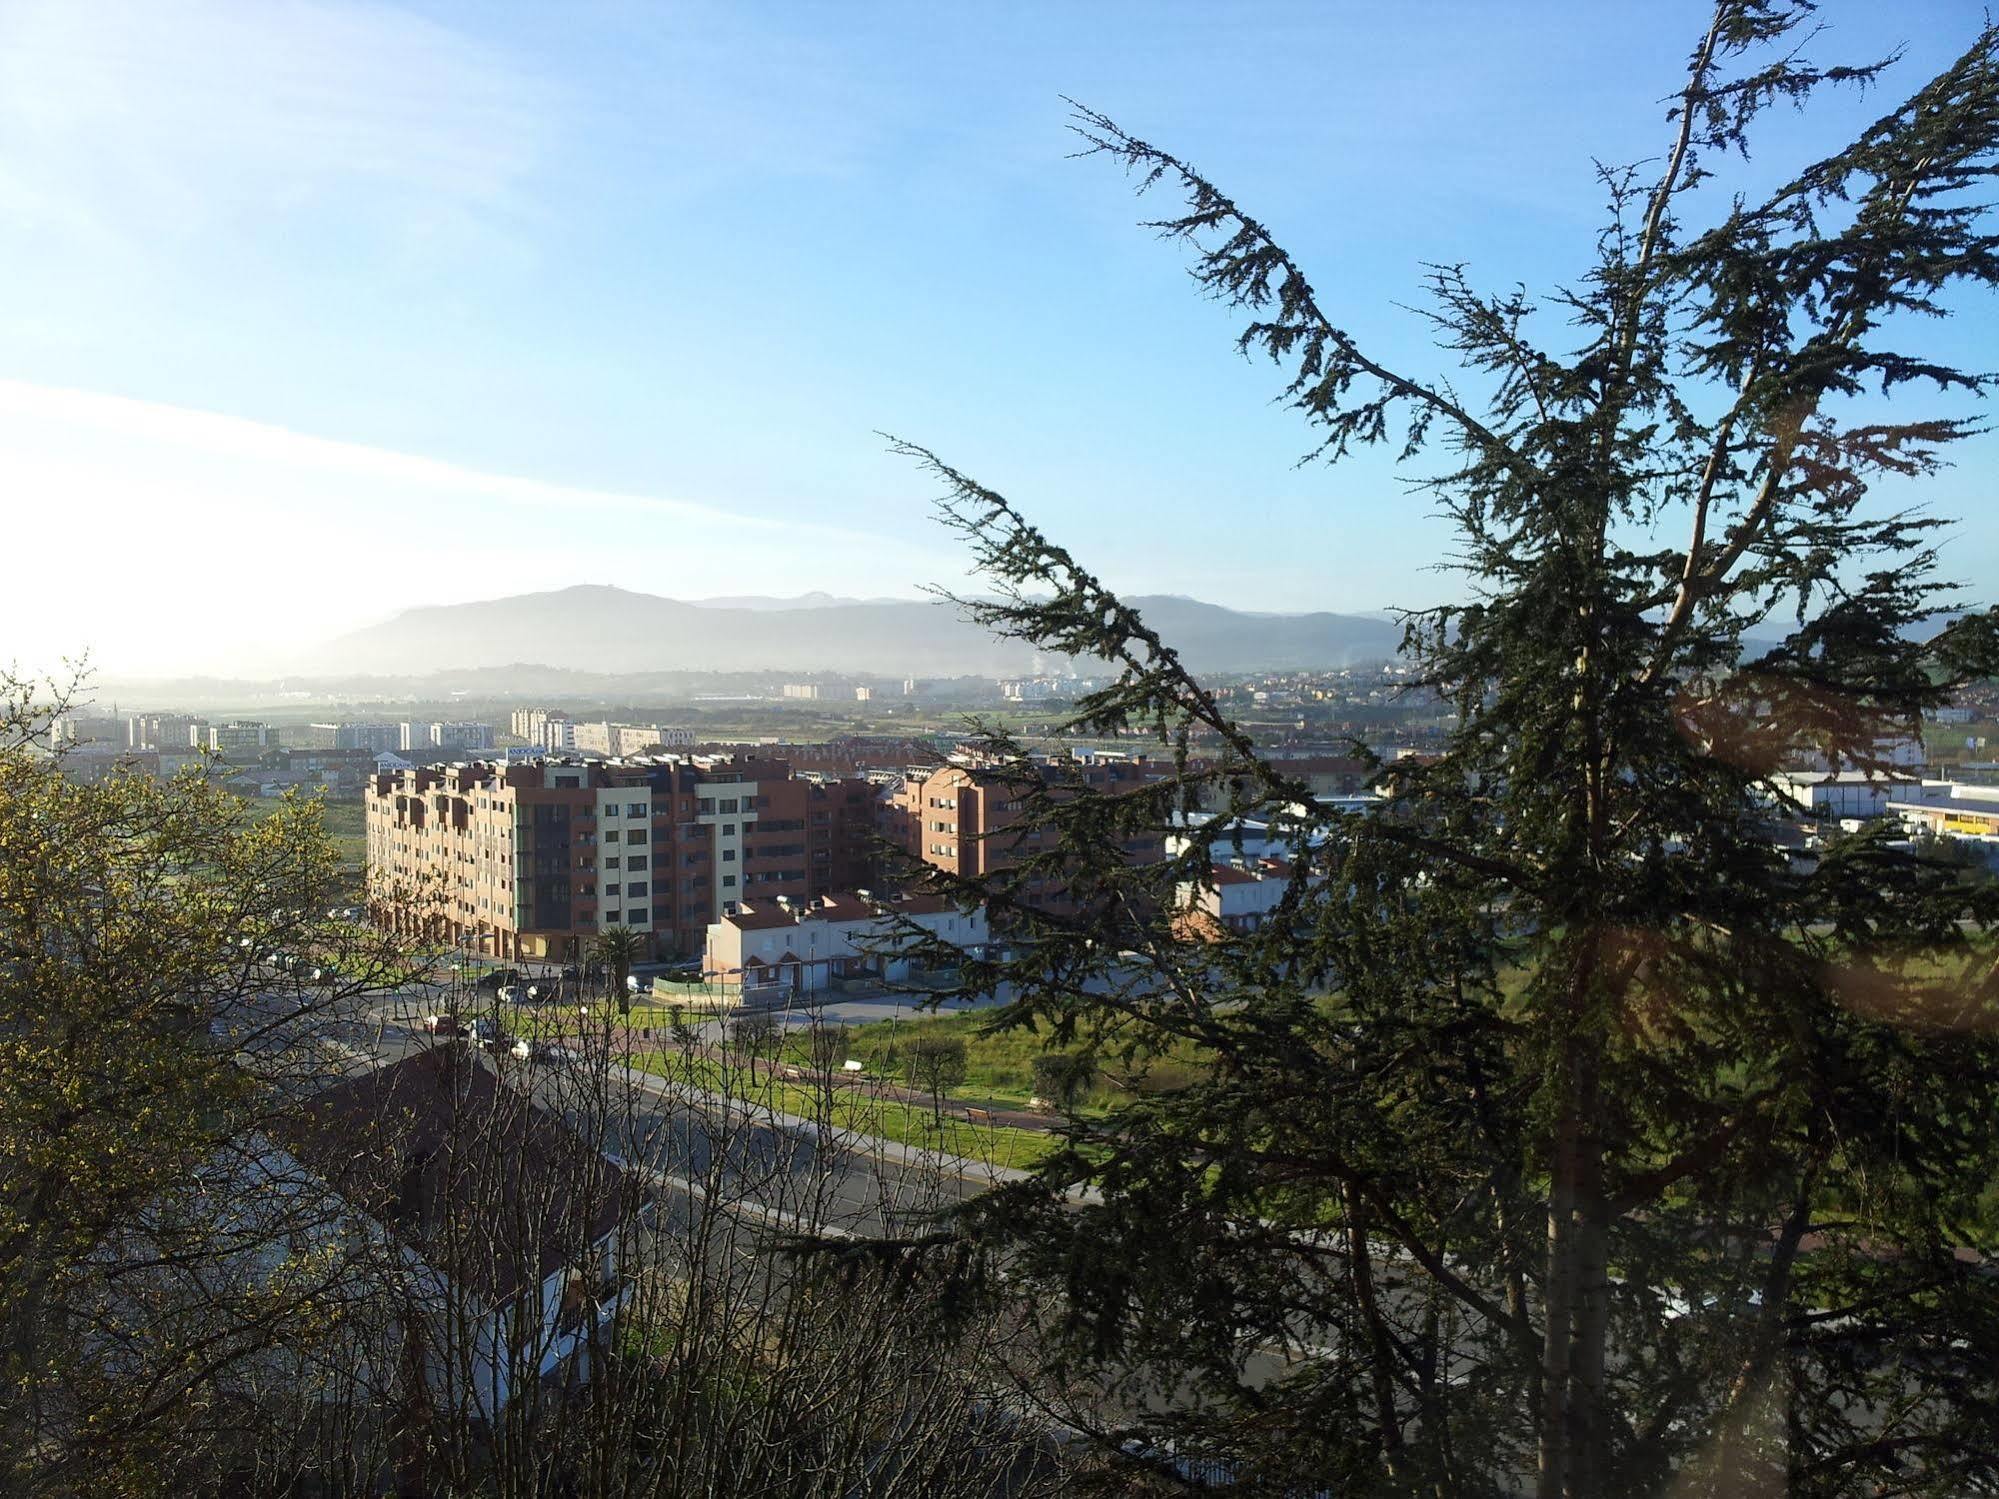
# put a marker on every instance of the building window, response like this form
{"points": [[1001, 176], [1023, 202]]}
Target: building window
{"points": [[635, 835], [612, 918], [609, 809], [728, 882], [636, 888], [636, 809], [636, 861], [728, 830], [728, 856]]}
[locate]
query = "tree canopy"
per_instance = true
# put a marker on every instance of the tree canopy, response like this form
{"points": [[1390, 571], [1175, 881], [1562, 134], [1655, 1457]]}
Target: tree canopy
{"points": [[1562, 1124]]}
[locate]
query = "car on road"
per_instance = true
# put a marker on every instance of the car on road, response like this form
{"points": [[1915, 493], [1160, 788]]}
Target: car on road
{"points": [[539, 992], [440, 1025], [481, 1031], [510, 994]]}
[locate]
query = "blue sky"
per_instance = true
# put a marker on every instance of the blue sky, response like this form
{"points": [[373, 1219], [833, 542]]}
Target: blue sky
{"points": [[311, 311]]}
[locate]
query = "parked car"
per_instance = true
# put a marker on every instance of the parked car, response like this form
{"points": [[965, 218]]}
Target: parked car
{"points": [[510, 994], [498, 978], [539, 992], [441, 1025], [481, 1031]]}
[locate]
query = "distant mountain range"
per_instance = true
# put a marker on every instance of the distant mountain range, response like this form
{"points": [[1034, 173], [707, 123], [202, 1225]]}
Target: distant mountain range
{"points": [[593, 628]]}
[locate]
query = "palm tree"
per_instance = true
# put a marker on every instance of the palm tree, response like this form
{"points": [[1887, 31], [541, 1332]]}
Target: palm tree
{"points": [[618, 948]]}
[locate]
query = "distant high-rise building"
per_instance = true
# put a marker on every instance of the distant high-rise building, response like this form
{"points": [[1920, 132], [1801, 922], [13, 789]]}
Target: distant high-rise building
{"points": [[463, 735], [89, 728], [374, 737], [546, 727], [628, 738], [240, 737], [311, 736], [165, 731]]}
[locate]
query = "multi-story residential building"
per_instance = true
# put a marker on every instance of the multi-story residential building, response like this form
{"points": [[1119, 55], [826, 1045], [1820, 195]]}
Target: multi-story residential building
{"points": [[165, 731], [530, 860], [809, 691], [372, 737], [1033, 689], [965, 818], [463, 736], [89, 728], [557, 736], [543, 728], [528, 723], [91, 761], [625, 739], [241, 737], [308, 736]]}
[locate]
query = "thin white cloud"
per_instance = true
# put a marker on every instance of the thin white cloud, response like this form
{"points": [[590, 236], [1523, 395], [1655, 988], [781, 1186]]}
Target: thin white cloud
{"points": [[172, 117], [237, 440]]}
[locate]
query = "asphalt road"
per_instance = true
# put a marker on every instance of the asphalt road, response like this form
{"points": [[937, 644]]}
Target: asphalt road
{"points": [[699, 1150]]}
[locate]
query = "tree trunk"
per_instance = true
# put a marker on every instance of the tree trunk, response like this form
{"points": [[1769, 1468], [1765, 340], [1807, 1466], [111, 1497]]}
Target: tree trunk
{"points": [[1559, 1310], [1588, 1409], [1381, 1353]]}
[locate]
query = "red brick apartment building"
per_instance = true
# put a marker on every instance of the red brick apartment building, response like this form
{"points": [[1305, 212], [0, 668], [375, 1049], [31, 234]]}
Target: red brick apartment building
{"points": [[532, 860], [962, 818]]}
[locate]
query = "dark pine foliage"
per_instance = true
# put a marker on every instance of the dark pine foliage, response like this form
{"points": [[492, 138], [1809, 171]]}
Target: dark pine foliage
{"points": [[1561, 1132]]}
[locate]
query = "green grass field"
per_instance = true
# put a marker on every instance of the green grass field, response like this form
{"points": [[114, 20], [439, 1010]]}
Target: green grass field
{"points": [[857, 1109], [999, 1066], [347, 825]]}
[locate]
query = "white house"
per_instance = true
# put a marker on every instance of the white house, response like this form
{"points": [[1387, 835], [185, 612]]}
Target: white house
{"points": [[1237, 897], [800, 947]]}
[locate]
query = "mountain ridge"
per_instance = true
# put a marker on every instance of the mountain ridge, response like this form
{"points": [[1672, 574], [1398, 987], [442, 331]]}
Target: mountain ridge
{"points": [[602, 628]]}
